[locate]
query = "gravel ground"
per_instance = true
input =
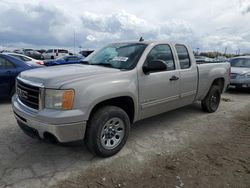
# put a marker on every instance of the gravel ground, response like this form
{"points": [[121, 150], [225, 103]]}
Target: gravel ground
{"points": [[181, 148]]}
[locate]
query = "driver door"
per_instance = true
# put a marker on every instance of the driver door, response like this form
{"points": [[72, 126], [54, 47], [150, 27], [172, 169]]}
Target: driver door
{"points": [[159, 91]]}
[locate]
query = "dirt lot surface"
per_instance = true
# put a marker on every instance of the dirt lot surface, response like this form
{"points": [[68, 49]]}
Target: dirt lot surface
{"points": [[182, 148]]}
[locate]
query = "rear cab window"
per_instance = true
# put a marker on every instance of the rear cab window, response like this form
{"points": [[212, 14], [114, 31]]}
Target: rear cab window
{"points": [[183, 56]]}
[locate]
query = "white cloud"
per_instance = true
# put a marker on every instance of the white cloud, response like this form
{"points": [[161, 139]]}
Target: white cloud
{"points": [[209, 24]]}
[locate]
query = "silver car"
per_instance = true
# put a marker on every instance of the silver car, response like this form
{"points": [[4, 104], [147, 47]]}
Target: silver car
{"points": [[240, 72]]}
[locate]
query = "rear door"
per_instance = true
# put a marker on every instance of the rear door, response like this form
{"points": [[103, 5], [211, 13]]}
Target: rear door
{"points": [[7, 76], [188, 75], [158, 91]]}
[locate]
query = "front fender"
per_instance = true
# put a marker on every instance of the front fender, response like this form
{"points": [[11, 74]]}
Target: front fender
{"points": [[90, 92]]}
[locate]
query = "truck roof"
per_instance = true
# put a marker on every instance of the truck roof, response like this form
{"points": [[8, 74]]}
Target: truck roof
{"points": [[150, 41]]}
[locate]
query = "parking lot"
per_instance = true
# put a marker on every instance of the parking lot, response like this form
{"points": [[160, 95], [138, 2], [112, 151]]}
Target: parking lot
{"points": [[182, 148]]}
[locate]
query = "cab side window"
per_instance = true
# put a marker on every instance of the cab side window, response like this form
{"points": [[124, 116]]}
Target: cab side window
{"points": [[164, 53], [183, 56]]}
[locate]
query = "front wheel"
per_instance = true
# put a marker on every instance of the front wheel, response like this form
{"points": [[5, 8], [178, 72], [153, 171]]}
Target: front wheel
{"points": [[107, 131], [211, 102]]}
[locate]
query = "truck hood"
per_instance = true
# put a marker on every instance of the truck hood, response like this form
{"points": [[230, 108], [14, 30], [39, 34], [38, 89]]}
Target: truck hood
{"points": [[239, 70], [56, 76]]}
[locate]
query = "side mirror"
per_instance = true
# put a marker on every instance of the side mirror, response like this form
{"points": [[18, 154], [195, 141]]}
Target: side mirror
{"points": [[154, 66]]}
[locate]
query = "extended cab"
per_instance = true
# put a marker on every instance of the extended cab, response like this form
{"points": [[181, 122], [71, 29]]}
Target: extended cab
{"points": [[114, 87]]}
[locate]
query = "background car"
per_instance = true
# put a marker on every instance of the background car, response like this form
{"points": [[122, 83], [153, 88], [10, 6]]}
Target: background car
{"points": [[27, 59], [203, 59], [240, 72], [10, 67], [3, 51], [55, 53], [18, 51], [33, 53], [41, 51], [71, 59]]}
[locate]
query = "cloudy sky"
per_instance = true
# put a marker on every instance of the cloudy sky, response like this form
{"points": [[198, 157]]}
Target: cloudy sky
{"points": [[204, 24]]}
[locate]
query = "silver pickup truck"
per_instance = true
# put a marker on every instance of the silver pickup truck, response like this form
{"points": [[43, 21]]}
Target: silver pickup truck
{"points": [[121, 83]]}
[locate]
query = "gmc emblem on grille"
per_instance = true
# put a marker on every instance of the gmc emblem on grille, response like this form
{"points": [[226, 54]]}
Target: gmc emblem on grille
{"points": [[22, 93]]}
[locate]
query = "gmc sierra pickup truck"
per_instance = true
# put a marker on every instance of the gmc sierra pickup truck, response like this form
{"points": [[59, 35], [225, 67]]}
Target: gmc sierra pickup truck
{"points": [[119, 84]]}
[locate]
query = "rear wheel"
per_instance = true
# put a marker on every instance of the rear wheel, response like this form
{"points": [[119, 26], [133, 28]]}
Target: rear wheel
{"points": [[211, 102], [107, 131]]}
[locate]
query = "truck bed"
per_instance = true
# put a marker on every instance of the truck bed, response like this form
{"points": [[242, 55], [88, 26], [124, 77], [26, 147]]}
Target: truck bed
{"points": [[207, 73]]}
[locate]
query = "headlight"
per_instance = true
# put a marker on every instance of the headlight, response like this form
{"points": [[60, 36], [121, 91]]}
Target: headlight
{"points": [[245, 75], [59, 99]]}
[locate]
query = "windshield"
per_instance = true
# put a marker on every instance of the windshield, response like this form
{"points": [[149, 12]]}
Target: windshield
{"points": [[240, 62], [119, 55]]}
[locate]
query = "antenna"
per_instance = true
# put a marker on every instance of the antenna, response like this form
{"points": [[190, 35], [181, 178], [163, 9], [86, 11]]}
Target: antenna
{"points": [[141, 39]]}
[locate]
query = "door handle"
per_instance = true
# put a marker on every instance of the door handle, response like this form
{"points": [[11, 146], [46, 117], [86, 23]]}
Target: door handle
{"points": [[173, 78]]}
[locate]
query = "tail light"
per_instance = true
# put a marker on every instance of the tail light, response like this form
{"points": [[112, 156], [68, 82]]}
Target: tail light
{"points": [[40, 62]]}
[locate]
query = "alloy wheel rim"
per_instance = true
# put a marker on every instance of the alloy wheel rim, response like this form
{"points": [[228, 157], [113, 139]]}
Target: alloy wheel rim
{"points": [[112, 133], [215, 100]]}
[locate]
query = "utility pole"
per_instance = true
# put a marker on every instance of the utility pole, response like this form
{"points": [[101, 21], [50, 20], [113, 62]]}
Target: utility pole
{"points": [[197, 51], [225, 53], [74, 42]]}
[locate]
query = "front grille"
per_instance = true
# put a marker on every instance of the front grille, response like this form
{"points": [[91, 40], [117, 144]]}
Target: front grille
{"points": [[28, 94], [233, 75]]}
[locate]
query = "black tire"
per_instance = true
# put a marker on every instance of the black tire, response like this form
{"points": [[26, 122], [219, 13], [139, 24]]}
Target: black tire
{"points": [[211, 102], [52, 57], [96, 139]]}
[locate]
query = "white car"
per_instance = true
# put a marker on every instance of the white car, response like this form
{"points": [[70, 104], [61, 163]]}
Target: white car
{"points": [[27, 59], [240, 72], [55, 53]]}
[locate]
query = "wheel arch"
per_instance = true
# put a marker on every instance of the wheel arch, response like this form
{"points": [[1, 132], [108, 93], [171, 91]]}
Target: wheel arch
{"points": [[219, 82], [124, 102]]}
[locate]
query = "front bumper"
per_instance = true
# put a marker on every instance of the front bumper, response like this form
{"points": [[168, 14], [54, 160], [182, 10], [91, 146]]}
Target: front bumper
{"points": [[34, 122], [244, 82]]}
